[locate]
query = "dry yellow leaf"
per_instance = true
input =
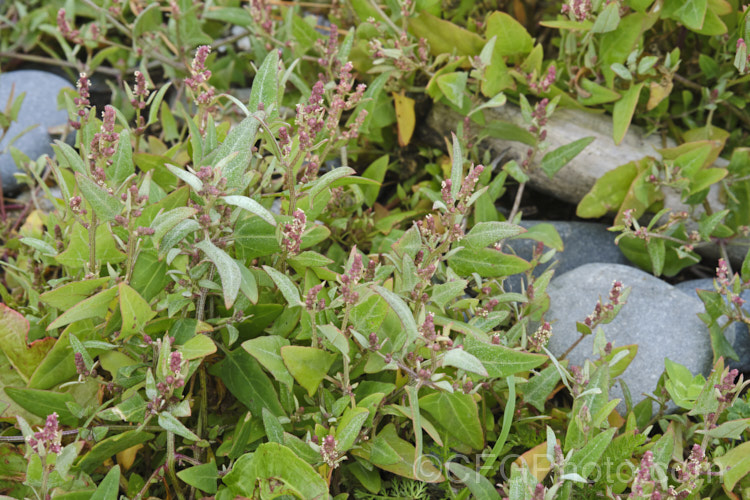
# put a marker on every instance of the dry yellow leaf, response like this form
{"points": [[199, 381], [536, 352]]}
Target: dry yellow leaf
{"points": [[659, 92], [536, 460], [126, 457], [404, 117]]}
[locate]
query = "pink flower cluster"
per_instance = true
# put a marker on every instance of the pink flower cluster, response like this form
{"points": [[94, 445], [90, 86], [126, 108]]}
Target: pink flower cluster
{"points": [[350, 279], [104, 142], [541, 337], [47, 440], [70, 34], [578, 10], [311, 298], [545, 83], [292, 233], [197, 82], [328, 452], [603, 312]]}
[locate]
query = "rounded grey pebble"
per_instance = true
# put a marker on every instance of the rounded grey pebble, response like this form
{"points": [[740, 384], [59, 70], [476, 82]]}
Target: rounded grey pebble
{"points": [[39, 108], [658, 317], [584, 243]]}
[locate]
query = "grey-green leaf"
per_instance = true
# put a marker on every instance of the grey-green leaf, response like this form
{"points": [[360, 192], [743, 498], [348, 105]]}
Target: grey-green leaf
{"points": [[240, 139], [484, 234], [286, 286], [265, 84], [557, 159], [251, 206], [229, 271], [105, 205]]}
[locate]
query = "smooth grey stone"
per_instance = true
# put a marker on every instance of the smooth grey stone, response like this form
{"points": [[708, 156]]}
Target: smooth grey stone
{"points": [[736, 334], [39, 108], [658, 317], [583, 243]]}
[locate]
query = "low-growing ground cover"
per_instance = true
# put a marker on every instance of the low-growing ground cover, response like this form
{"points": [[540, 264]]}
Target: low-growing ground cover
{"points": [[262, 277]]}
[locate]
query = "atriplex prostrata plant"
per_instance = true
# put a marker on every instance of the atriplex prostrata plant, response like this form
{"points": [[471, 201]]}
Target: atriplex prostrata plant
{"points": [[236, 316]]}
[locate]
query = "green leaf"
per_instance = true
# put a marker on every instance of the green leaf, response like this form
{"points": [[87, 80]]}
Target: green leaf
{"points": [[202, 477], [148, 21], [336, 338], [480, 486], [691, 13], [246, 380], [348, 428], [458, 414], [229, 271], [274, 430], [453, 86], [166, 221], [735, 464], [111, 446], [745, 270], [177, 234], [487, 262], [105, 205], [198, 347], [188, 178], [109, 488], [457, 167], [368, 314], [135, 311], [465, 361], [149, 275], [70, 294], [584, 461], [251, 206], [77, 252], [656, 252], [58, 364], [557, 159], [42, 246], [607, 20], [608, 192], [540, 386], [43, 403], [401, 309], [265, 85], [122, 162], [95, 306], [376, 171], [275, 462], [303, 34], [501, 361], [622, 114], [444, 37], [484, 234], [68, 157], [155, 105], [267, 350], [307, 365], [328, 178], [393, 454], [446, 292], [240, 140], [169, 422], [512, 37], [287, 288], [545, 233], [310, 259]]}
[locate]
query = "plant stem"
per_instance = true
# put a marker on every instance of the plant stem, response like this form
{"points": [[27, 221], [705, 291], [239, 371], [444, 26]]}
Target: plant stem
{"points": [[516, 202], [201, 306], [171, 465], [92, 245], [571, 347]]}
